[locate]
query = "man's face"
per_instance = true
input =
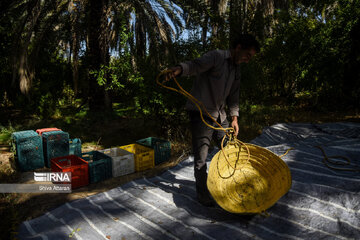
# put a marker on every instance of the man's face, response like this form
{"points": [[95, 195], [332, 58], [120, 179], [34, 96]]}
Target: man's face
{"points": [[243, 55]]}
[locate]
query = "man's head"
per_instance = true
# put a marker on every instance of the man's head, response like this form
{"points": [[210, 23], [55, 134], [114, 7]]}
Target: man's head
{"points": [[243, 48]]}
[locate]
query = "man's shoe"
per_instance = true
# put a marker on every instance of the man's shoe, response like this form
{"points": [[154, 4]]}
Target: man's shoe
{"points": [[206, 200]]}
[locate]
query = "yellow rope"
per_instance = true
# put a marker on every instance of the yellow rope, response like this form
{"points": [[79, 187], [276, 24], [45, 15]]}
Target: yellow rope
{"points": [[287, 151], [229, 132], [249, 192], [326, 161], [198, 104]]}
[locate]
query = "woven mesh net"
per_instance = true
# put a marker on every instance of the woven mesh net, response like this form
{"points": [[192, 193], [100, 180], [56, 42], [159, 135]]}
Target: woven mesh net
{"points": [[56, 144], [27, 147], [247, 182]]}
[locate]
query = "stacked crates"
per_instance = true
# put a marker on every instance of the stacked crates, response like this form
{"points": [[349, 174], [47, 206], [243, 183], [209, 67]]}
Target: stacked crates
{"points": [[78, 167], [75, 146], [162, 148], [143, 156], [55, 144], [29, 150], [122, 161], [99, 165], [53, 148]]}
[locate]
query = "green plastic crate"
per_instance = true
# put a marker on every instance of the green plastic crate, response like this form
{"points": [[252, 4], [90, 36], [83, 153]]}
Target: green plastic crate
{"points": [[75, 146], [162, 148], [55, 144], [28, 150], [99, 165]]}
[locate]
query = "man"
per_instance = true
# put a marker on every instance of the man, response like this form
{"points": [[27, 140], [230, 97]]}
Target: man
{"points": [[217, 85]]}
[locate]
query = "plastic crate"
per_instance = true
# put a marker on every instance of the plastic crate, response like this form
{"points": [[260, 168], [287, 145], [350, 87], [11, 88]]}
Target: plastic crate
{"points": [[143, 156], [42, 130], [122, 161], [162, 148], [75, 146], [99, 165], [55, 144], [28, 150], [78, 167]]}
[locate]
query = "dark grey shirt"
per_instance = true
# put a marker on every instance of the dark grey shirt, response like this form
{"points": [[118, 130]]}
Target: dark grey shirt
{"points": [[217, 83]]}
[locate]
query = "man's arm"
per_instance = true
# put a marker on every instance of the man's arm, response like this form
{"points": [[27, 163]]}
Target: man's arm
{"points": [[199, 65], [194, 67], [233, 103]]}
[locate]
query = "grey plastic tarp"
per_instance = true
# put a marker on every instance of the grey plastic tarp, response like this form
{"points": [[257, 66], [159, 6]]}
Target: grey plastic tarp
{"points": [[321, 204]]}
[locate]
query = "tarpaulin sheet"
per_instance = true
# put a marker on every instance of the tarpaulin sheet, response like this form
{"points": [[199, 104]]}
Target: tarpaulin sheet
{"points": [[322, 203]]}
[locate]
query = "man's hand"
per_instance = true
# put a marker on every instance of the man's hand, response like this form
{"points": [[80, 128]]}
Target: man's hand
{"points": [[175, 71], [235, 125]]}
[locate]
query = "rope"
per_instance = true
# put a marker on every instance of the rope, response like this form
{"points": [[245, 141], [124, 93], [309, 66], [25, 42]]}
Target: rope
{"points": [[287, 151], [327, 161], [229, 132], [238, 162], [198, 104]]}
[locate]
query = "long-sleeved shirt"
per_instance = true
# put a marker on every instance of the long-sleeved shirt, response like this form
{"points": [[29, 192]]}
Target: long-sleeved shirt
{"points": [[217, 83]]}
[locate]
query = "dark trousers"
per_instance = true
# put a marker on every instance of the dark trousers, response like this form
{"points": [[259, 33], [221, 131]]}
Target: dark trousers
{"points": [[201, 139]]}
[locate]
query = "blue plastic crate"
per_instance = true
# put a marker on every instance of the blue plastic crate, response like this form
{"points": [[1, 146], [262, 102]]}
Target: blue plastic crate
{"points": [[28, 150], [75, 146], [55, 144], [162, 148], [99, 165]]}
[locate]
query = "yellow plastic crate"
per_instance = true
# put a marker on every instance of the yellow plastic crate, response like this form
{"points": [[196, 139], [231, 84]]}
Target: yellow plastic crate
{"points": [[143, 156]]}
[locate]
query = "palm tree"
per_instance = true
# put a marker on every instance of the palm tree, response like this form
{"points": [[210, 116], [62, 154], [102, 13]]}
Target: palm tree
{"points": [[35, 19], [148, 21], [153, 23], [206, 13], [76, 11], [230, 16]]}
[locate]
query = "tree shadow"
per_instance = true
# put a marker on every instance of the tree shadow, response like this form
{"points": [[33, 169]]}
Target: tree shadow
{"points": [[184, 197]]}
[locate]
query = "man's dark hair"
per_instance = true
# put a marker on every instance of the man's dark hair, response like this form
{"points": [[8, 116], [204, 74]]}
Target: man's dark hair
{"points": [[246, 41]]}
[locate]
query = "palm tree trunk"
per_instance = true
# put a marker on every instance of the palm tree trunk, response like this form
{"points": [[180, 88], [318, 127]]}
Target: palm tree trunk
{"points": [[75, 48], [236, 19], [204, 32], [97, 51], [140, 38], [26, 74]]}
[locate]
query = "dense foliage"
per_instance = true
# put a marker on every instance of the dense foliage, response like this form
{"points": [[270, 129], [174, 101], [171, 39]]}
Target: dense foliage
{"points": [[105, 55]]}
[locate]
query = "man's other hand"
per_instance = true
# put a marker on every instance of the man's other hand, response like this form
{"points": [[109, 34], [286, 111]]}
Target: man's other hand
{"points": [[235, 125]]}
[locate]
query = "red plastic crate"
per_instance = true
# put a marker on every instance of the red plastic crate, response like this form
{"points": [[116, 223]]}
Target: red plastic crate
{"points": [[78, 167], [42, 130]]}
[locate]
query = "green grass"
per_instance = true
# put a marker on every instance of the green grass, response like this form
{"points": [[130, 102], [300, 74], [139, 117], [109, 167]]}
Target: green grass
{"points": [[5, 133], [5, 138]]}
